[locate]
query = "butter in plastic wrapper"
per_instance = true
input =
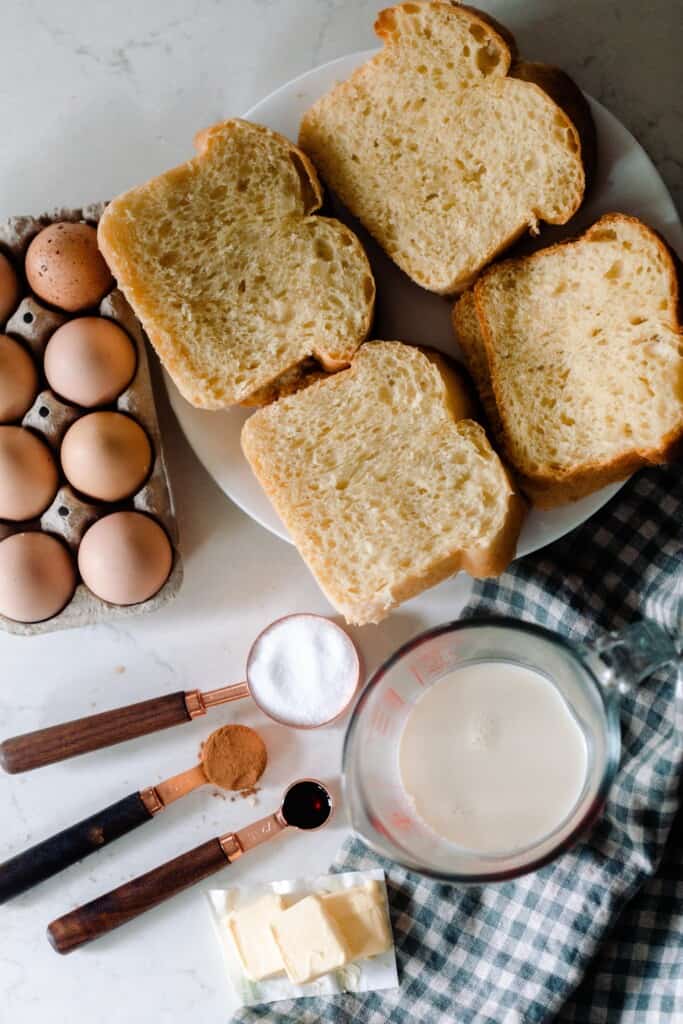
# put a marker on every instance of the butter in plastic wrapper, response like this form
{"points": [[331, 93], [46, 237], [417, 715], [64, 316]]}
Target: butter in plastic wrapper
{"points": [[361, 975]]}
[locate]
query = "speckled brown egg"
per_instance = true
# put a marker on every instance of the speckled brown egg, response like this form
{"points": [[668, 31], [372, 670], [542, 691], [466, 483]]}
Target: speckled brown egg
{"points": [[9, 289], [65, 268], [28, 475], [37, 577], [89, 361], [106, 456], [18, 380], [125, 558]]}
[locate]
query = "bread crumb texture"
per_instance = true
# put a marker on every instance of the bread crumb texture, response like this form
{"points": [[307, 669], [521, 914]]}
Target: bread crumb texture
{"points": [[234, 280], [577, 352], [383, 481], [439, 150]]}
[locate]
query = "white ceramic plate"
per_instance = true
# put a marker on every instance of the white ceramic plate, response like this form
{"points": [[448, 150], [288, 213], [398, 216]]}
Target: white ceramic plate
{"points": [[626, 181]]}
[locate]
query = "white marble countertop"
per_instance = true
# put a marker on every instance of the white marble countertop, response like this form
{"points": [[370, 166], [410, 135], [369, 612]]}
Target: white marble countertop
{"points": [[95, 97]]}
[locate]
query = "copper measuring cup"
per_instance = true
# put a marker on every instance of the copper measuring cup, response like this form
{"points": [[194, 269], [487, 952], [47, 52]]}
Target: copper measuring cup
{"points": [[306, 805], [60, 851], [68, 739]]}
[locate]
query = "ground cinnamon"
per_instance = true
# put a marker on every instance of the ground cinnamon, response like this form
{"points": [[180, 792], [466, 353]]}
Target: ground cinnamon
{"points": [[234, 757]]}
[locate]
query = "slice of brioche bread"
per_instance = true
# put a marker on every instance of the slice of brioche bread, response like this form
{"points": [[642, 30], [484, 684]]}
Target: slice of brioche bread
{"points": [[383, 481], [577, 352], [445, 148], [235, 282], [471, 342]]}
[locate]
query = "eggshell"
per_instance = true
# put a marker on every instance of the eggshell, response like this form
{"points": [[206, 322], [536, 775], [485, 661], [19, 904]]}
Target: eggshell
{"points": [[106, 456], [18, 380], [65, 268], [9, 289], [37, 577], [125, 558], [28, 474], [89, 361]]}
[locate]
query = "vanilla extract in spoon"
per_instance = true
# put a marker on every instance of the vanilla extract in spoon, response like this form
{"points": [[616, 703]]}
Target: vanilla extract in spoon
{"points": [[306, 805]]}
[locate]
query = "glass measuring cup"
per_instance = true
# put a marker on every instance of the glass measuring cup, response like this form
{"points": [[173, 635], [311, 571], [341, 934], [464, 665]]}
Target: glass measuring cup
{"points": [[590, 680]]}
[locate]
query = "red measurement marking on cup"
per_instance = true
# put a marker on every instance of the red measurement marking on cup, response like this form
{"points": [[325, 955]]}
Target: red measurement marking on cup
{"points": [[379, 827], [401, 821], [380, 721], [428, 664], [381, 716]]}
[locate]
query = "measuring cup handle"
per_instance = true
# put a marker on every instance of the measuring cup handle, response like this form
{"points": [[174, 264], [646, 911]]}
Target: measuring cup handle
{"points": [[128, 901], [623, 659], [65, 848], [59, 742]]}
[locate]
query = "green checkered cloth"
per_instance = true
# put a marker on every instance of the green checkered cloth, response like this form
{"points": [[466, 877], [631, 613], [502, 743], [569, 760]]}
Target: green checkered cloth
{"points": [[597, 936]]}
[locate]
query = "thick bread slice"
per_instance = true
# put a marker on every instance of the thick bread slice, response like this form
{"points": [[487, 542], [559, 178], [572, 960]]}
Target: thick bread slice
{"points": [[579, 348], [469, 337], [384, 484], [236, 284], [445, 148]]}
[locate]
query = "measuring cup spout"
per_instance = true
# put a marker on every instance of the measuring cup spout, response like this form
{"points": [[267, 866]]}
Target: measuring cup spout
{"points": [[623, 659]]}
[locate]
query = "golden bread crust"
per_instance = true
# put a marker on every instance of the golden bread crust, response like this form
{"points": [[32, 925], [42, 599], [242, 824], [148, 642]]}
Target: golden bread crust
{"points": [[219, 348], [549, 490]]}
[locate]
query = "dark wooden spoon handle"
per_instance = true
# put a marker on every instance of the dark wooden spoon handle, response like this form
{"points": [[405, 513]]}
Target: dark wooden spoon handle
{"points": [[133, 898], [59, 742], [68, 847]]}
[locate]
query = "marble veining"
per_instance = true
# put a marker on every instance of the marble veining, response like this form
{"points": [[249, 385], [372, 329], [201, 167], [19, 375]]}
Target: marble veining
{"points": [[95, 98]]}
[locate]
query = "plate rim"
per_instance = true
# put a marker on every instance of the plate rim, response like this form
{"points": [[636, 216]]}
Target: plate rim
{"points": [[176, 400]]}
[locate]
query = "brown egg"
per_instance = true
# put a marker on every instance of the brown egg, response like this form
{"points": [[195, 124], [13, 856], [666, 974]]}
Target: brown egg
{"points": [[65, 268], [106, 456], [18, 380], [9, 289], [89, 361], [28, 474], [37, 577], [125, 558]]}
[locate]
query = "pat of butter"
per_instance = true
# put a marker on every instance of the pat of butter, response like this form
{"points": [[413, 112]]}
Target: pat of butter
{"points": [[250, 929], [309, 940], [361, 917]]}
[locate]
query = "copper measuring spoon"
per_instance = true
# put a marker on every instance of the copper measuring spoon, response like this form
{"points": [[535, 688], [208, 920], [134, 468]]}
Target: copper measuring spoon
{"points": [[68, 739], [65, 848], [306, 805]]}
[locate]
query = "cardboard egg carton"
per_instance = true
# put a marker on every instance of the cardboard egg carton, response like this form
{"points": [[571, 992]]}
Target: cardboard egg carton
{"points": [[69, 516]]}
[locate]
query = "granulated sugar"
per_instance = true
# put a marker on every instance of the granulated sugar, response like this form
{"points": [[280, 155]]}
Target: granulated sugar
{"points": [[303, 670]]}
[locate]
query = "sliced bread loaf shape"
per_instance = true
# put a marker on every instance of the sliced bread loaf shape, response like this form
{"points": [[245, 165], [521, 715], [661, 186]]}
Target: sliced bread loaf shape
{"points": [[385, 483], [445, 148], [577, 352], [234, 280]]}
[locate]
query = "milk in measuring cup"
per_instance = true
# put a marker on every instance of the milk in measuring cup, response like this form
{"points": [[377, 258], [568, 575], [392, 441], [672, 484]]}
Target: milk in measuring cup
{"points": [[492, 757]]}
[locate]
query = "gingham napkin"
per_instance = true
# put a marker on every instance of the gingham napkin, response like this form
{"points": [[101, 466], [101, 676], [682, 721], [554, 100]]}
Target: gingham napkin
{"points": [[596, 936]]}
